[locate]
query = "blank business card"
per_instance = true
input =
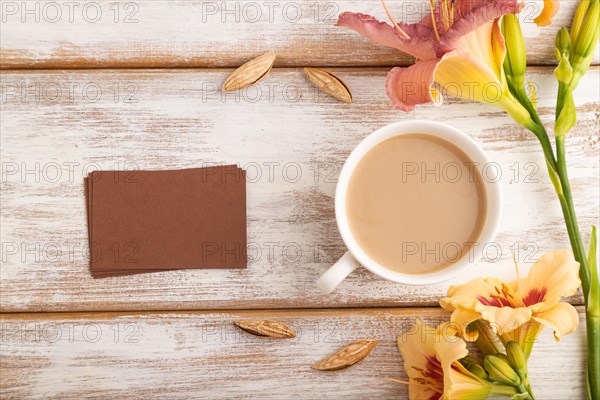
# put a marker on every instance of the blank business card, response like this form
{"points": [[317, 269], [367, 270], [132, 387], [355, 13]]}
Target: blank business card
{"points": [[151, 221]]}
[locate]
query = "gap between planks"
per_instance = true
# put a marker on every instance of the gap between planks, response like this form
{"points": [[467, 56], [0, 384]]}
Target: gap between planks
{"points": [[92, 68], [278, 311], [289, 312], [35, 70]]}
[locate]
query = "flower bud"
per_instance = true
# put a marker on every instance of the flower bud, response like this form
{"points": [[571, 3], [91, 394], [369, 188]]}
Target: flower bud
{"points": [[578, 18], [478, 371], [503, 357], [515, 355], [500, 371], [468, 360], [562, 44], [564, 71], [515, 62], [584, 35]]}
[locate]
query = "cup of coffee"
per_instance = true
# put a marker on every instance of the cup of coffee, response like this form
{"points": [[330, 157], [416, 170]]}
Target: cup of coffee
{"points": [[416, 203]]}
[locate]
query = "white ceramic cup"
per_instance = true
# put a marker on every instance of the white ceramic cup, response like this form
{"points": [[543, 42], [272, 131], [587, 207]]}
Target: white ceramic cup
{"points": [[356, 257]]}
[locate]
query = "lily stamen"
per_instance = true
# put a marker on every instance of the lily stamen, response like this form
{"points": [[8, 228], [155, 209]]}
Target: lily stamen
{"points": [[518, 271], [389, 14], [397, 381], [445, 16], [435, 31]]}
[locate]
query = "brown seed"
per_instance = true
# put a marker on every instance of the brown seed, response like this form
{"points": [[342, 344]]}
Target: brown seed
{"points": [[329, 83], [346, 356], [272, 329], [250, 73]]}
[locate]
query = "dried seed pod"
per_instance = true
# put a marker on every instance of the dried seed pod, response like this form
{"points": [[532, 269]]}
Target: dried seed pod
{"points": [[250, 73], [346, 356], [272, 329], [329, 83]]}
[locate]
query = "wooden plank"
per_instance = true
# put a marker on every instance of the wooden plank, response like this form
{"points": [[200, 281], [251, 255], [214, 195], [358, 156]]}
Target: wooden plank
{"points": [[194, 33], [202, 355], [291, 139]]}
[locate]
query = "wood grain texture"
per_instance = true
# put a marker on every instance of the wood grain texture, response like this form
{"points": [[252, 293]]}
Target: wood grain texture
{"points": [[58, 126], [202, 355], [194, 33]]}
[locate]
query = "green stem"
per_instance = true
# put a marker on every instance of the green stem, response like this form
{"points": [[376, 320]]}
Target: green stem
{"points": [[540, 132], [572, 226], [501, 390], [537, 127], [560, 99], [524, 375], [558, 169], [593, 354], [526, 389], [529, 390]]}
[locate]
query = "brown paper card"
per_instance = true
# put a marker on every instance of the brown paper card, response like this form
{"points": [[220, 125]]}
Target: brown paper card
{"points": [[149, 221]]}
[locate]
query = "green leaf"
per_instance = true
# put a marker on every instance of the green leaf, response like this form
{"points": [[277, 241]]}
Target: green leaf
{"points": [[555, 179], [568, 116]]}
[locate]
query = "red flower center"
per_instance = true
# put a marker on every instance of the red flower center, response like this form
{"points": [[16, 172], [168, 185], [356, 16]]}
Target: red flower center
{"points": [[534, 296], [432, 376], [505, 296]]}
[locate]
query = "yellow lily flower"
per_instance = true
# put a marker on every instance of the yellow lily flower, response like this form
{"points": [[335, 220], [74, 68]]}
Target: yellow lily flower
{"points": [[431, 360], [519, 309]]}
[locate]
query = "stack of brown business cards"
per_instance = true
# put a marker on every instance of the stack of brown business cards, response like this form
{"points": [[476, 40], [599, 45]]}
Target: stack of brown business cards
{"points": [[150, 221]]}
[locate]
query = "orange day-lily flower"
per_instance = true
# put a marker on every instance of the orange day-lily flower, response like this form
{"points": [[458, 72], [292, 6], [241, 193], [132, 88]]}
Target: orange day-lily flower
{"points": [[532, 302], [459, 46], [548, 12], [431, 360]]}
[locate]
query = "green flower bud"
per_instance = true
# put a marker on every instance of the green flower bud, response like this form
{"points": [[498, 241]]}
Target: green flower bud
{"points": [[515, 355], [585, 37], [564, 71], [562, 44], [515, 62], [474, 366], [578, 18], [500, 371], [503, 357], [478, 371], [468, 360]]}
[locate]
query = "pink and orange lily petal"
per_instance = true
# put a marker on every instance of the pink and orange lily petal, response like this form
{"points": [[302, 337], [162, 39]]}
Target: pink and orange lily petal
{"points": [[459, 50], [420, 44]]}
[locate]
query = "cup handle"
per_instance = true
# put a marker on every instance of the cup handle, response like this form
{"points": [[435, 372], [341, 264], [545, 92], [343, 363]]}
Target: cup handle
{"points": [[337, 273]]}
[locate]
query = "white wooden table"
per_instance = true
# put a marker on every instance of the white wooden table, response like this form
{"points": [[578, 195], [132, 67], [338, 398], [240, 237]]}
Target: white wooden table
{"points": [[118, 84]]}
